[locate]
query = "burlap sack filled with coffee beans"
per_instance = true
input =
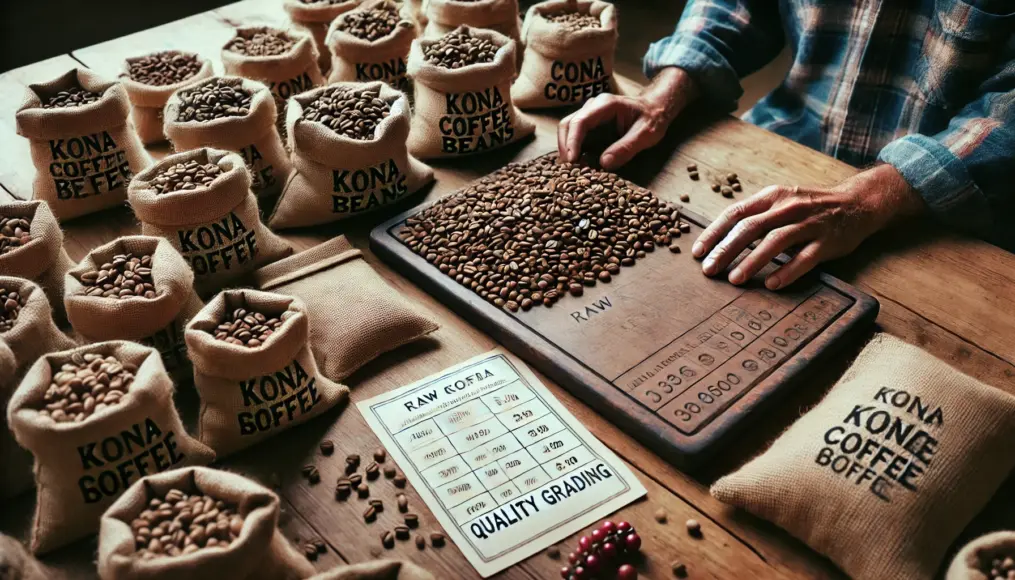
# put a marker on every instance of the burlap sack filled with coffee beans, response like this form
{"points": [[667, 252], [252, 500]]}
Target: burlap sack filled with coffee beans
{"points": [[313, 17], [251, 393], [357, 58], [148, 100], [884, 473], [443, 16], [377, 570], [259, 552], [216, 228], [466, 110], [566, 64], [81, 466], [84, 155], [17, 564], [975, 561], [156, 322], [337, 176], [254, 136]]}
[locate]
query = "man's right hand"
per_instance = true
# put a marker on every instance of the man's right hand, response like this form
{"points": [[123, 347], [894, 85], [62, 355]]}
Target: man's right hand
{"points": [[641, 121]]}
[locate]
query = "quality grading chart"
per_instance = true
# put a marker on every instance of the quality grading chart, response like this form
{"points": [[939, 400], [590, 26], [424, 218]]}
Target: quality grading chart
{"points": [[501, 463]]}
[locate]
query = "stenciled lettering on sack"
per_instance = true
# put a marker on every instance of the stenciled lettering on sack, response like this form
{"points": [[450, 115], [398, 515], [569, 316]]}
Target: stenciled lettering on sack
{"points": [[114, 462], [88, 165], [171, 346], [262, 174], [359, 190], [577, 82], [277, 398], [887, 445], [391, 71], [475, 121], [218, 246], [282, 90]]}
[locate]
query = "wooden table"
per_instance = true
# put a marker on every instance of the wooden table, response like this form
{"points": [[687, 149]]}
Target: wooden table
{"points": [[947, 294]]}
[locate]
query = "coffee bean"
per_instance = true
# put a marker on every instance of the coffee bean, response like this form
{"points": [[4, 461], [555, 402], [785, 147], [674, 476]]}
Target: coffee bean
{"points": [[660, 516], [411, 520], [86, 384], [163, 68], [327, 447], [458, 49], [185, 176], [312, 474], [355, 479], [399, 481], [214, 99], [180, 523], [372, 23], [420, 542], [726, 191], [679, 569], [685, 227], [403, 502], [692, 167], [731, 178], [10, 307], [14, 233], [72, 97], [321, 546], [1001, 568], [352, 112], [693, 175], [388, 540], [675, 248], [370, 514], [685, 198], [390, 471], [323, 1], [574, 21], [402, 532], [124, 276], [363, 490], [373, 471], [380, 455], [736, 186], [246, 327], [343, 490], [261, 42], [353, 460], [716, 187], [553, 552], [305, 471], [693, 527], [378, 504], [310, 552], [436, 539]]}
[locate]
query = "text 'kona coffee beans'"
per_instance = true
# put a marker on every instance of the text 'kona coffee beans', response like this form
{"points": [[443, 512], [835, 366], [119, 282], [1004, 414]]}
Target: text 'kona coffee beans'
{"points": [[10, 306], [354, 113], [180, 524], [89, 383], [72, 97], [214, 100], [164, 68], [247, 327], [372, 24], [125, 276], [14, 233], [459, 49], [574, 21], [185, 176], [262, 43]]}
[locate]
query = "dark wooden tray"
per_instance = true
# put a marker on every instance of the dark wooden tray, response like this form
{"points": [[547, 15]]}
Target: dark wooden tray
{"points": [[678, 360]]}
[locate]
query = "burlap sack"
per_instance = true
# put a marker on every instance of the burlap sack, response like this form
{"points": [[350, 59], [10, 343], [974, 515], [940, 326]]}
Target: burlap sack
{"points": [[564, 68], [157, 322], [84, 156], [978, 555], [217, 228], [286, 75], [314, 18], [17, 564], [251, 394], [338, 177], [80, 468], [254, 136], [15, 462], [377, 570], [260, 552], [443, 16], [354, 315], [384, 59], [884, 473], [467, 110], [148, 101], [34, 333]]}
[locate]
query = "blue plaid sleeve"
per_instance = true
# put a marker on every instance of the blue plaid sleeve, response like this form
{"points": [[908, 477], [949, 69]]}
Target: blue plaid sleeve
{"points": [[718, 42]]}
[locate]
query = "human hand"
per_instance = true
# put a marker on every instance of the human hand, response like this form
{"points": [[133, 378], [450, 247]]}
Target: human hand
{"points": [[824, 223], [641, 121]]}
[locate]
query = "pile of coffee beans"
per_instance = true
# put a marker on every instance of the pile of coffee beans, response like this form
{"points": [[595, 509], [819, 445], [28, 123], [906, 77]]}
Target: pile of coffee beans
{"points": [[1001, 568], [372, 24], [215, 99], [164, 68], [458, 49], [574, 21], [246, 327], [89, 383], [529, 233], [354, 113], [14, 233], [125, 276], [72, 97], [186, 176], [182, 523], [265, 42], [10, 306]]}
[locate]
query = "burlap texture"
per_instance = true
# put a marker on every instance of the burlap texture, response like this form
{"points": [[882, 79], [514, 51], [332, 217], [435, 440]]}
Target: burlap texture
{"points": [[354, 315], [17, 564], [884, 473], [254, 136], [34, 333], [260, 552], [978, 555], [81, 468], [84, 156], [443, 16], [563, 68], [157, 322], [418, 13], [314, 19], [384, 59], [15, 462], [467, 110], [251, 394], [337, 177], [216, 228], [148, 101], [377, 570]]}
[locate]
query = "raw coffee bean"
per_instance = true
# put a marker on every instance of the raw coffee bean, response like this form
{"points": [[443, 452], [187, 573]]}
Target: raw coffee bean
{"points": [[675, 248], [716, 187], [363, 490], [692, 167], [180, 523], [736, 187], [245, 327], [685, 227], [388, 540], [373, 471], [310, 552], [660, 516], [321, 546], [553, 552], [327, 447], [214, 99], [186, 176], [459, 49], [436, 539], [726, 191], [312, 474], [352, 460], [163, 68], [377, 505], [399, 481], [403, 502], [305, 471], [87, 384], [731, 178], [372, 24], [124, 276], [355, 479], [693, 527], [693, 175], [343, 490], [574, 21], [679, 569], [420, 542], [411, 520], [402, 532], [380, 455], [370, 514], [352, 112], [264, 42], [10, 307], [685, 198], [72, 97], [14, 233]]}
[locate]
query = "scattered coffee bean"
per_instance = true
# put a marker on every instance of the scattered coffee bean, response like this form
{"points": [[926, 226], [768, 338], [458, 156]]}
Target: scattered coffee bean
{"points": [[370, 514], [343, 490], [327, 447], [685, 228], [403, 502], [87, 384], [692, 167], [380, 455], [388, 540], [693, 527], [1001, 568], [306, 469], [180, 523], [736, 186], [377, 505], [72, 97], [399, 481], [372, 471], [10, 307], [411, 520], [14, 233], [352, 460], [390, 471], [716, 187], [679, 569], [402, 532], [186, 176], [310, 552], [124, 276], [321, 546], [363, 490], [163, 68], [352, 112], [420, 542], [459, 49], [261, 42], [660, 515], [214, 99], [731, 178], [246, 327], [312, 474], [685, 198], [693, 175], [674, 248], [726, 191], [574, 21], [373, 23], [436, 539], [355, 479], [553, 552]]}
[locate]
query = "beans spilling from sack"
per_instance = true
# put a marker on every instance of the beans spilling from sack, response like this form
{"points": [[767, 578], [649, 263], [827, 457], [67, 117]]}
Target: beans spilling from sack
{"points": [[72, 97], [180, 524], [164, 68], [574, 21], [526, 234], [14, 233], [247, 327], [89, 383], [10, 306], [459, 49], [262, 43], [186, 176], [372, 24], [125, 276], [350, 112], [214, 100]]}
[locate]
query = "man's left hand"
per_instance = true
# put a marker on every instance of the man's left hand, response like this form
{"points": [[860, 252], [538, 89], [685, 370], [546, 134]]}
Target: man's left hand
{"points": [[822, 223]]}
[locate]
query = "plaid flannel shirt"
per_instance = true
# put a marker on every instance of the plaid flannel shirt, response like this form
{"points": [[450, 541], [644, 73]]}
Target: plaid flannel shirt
{"points": [[927, 86]]}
